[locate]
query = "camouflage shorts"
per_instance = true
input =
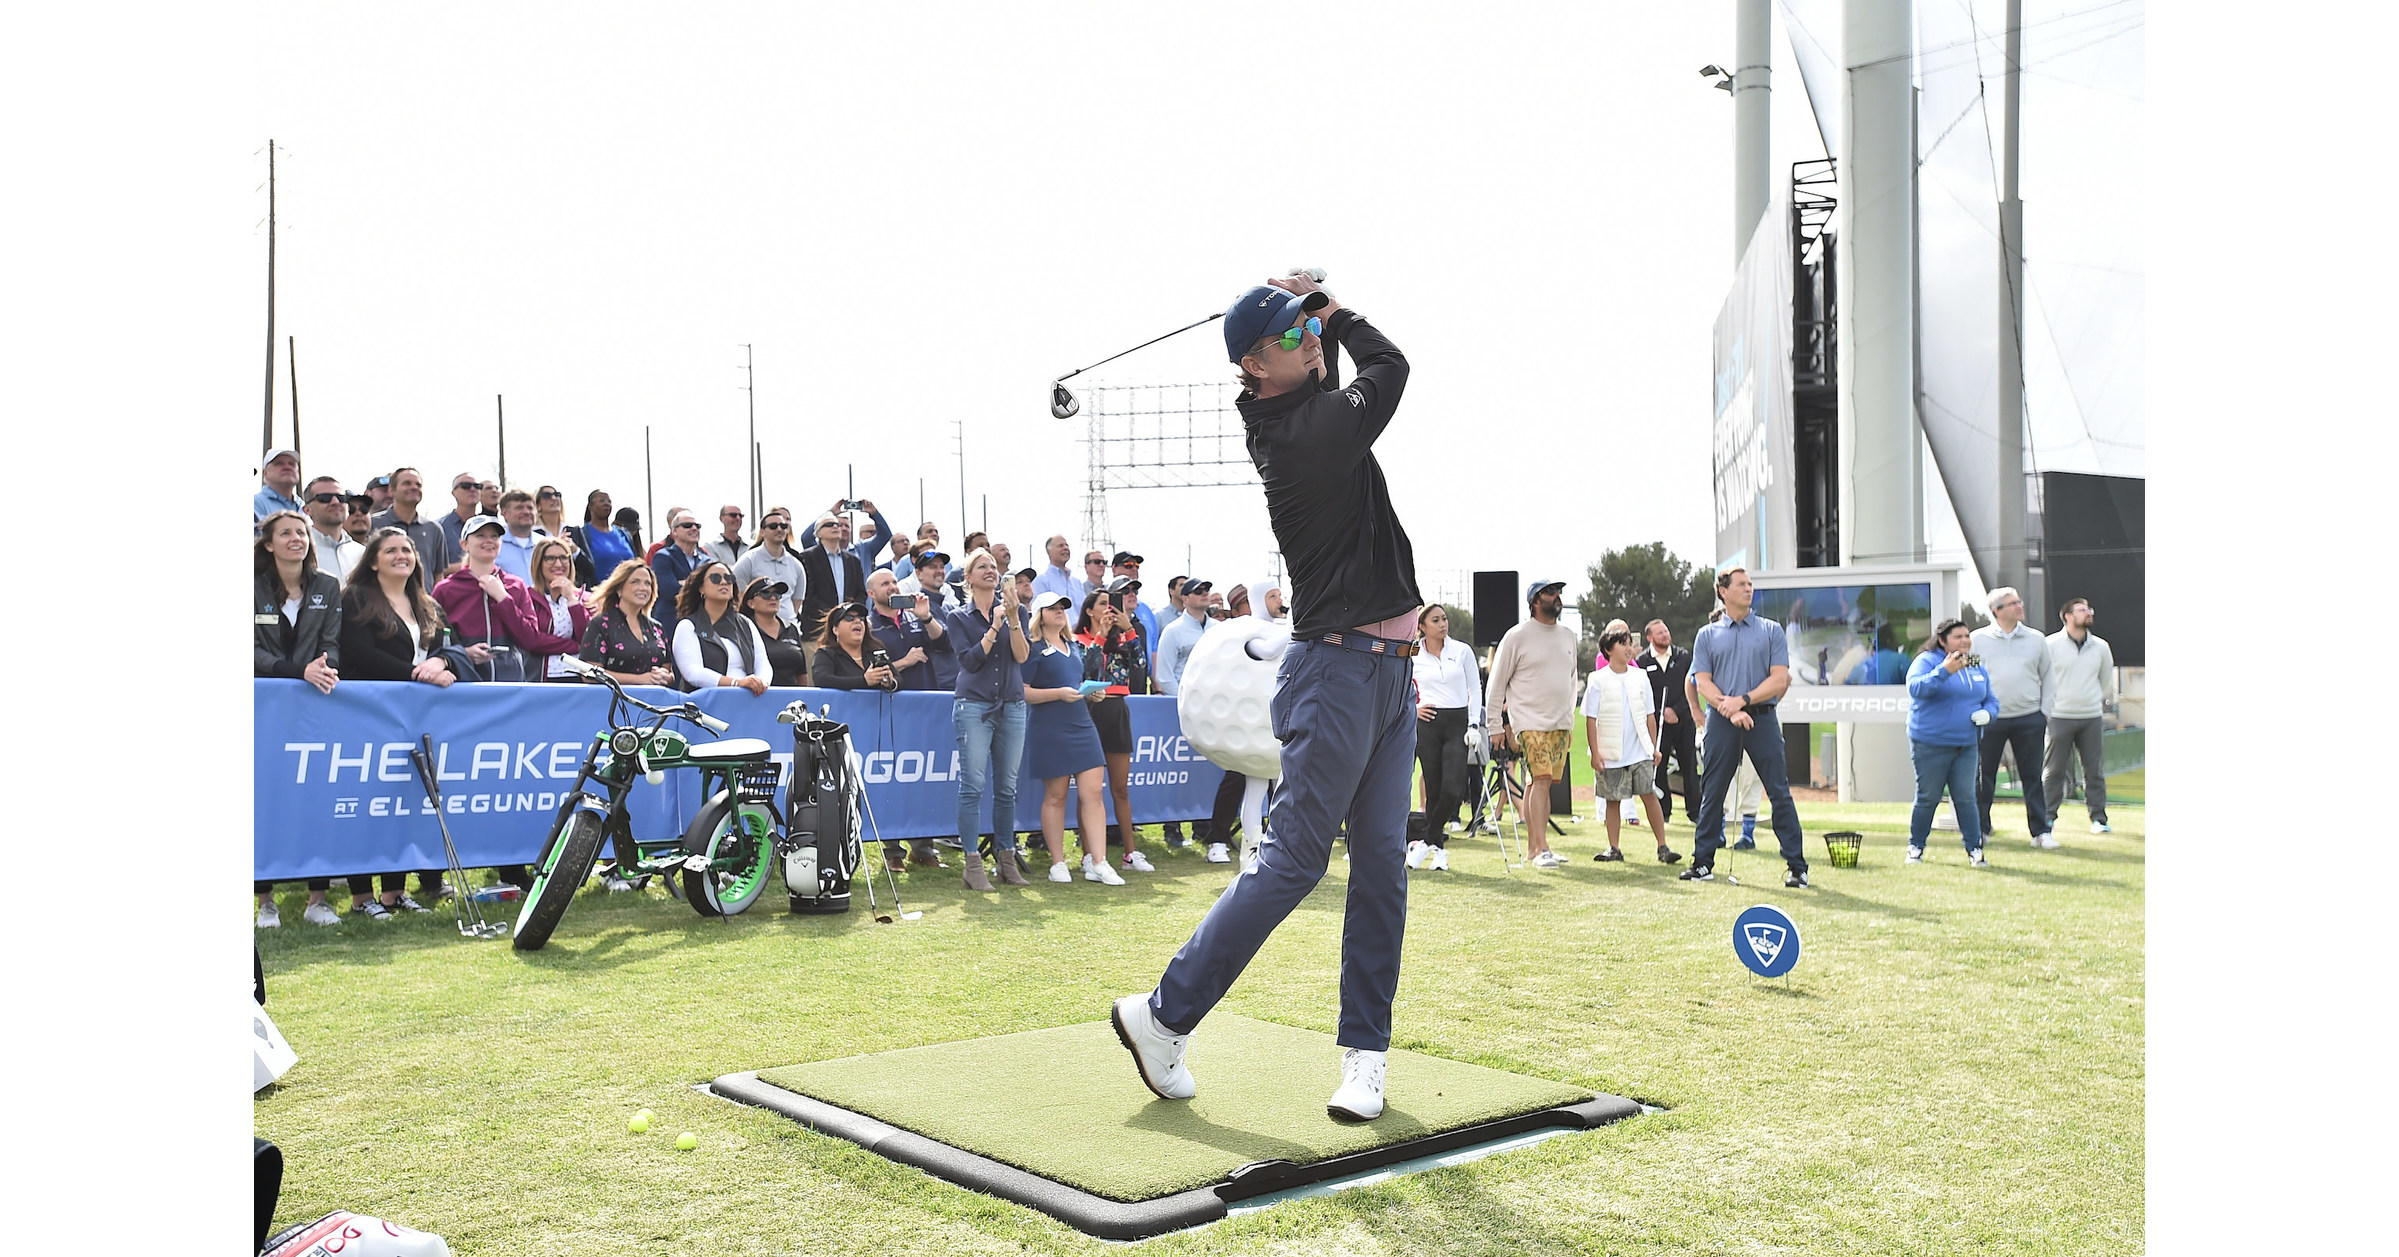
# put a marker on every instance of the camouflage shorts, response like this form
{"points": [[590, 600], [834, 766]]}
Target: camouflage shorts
{"points": [[1545, 751], [1629, 782]]}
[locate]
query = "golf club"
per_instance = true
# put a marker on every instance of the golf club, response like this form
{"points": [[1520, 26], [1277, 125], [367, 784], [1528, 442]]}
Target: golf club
{"points": [[1065, 405], [462, 902], [888, 875]]}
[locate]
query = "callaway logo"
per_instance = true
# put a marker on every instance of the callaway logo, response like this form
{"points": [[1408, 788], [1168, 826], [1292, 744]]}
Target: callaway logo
{"points": [[1766, 941]]}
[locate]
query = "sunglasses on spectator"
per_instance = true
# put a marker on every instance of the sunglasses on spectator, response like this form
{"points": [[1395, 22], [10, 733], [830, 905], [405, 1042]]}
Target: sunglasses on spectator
{"points": [[547, 497], [468, 484], [1291, 336], [689, 523], [328, 497], [776, 525], [1095, 562], [719, 578]]}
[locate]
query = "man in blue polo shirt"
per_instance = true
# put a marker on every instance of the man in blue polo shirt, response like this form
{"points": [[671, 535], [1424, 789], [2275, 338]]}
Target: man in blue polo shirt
{"points": [[1740, 665], [278, 485]]}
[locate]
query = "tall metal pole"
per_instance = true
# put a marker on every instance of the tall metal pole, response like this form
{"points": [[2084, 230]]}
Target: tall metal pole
{"points": [[267, 440], [649, 486], [1879, 429], [500, 410], [749, 373], [2013, 559], [291, 360], [958, 437], [1752, 110]]}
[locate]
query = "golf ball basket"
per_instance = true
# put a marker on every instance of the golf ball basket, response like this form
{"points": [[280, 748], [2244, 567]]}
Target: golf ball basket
{"points": [[723, 858], [822, 847], [1841, 848]]}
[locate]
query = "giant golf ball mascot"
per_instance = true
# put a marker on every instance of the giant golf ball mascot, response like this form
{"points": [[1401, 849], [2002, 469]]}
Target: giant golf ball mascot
{"points": [[1225, 703], [1341, 702]]}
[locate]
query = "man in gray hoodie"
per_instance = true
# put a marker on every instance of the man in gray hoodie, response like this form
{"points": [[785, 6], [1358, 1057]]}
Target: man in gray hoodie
{"points": [[2085, 673]]}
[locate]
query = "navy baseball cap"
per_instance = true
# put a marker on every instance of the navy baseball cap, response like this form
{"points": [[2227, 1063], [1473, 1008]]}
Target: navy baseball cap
{"points": [[1262, 311], [1533, 590]]}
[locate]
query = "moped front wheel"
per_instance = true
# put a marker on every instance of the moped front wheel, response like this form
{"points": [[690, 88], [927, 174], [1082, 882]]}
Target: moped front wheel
{"points": [[555, 883], [723, 832]]}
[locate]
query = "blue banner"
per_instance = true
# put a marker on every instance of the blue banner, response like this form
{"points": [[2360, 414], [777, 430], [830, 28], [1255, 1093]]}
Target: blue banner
{"points": [[336, 794]]}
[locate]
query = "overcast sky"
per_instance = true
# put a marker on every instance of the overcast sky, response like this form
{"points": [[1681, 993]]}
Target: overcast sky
{"points": [[923, 219]]}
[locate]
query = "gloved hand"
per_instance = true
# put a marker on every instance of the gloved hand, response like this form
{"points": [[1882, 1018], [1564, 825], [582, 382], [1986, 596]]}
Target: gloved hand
{"points": [[1478, 747], [1980, 717]]}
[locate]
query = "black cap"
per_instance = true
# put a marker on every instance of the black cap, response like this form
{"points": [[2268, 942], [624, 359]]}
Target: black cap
{"points": [[762, 585], [1124, 584], [1125, 556], [1195, 585], [1026, 573]]}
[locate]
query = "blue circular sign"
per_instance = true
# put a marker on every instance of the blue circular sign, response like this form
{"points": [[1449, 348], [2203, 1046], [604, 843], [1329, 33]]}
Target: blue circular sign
{"points": [[1767, 940]]}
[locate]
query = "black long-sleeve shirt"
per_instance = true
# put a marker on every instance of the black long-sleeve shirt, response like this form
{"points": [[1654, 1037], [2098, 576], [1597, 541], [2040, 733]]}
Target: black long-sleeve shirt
{"points": [[1350, 561]]}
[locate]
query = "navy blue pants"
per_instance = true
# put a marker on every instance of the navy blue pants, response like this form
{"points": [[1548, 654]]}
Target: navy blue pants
{"points": [[1723, 748], [1347, 721]]}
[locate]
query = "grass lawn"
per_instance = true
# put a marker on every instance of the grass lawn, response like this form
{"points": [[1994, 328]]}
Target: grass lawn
{"points": [[1955, 1066]]}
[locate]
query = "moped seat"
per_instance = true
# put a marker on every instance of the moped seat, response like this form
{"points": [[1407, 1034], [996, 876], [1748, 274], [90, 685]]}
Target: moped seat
{"points": [[729, 751]]}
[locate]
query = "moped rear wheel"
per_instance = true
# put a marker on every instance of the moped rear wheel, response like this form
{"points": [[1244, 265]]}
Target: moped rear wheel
{"points": [[722, 831], [555, 883]]}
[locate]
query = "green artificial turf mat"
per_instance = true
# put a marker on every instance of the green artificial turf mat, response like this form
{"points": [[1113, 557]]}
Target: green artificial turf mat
{"points": [[1090, 1123]]}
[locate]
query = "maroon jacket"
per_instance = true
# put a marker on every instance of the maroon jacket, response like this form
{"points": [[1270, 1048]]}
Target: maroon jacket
{"points": [[522, 619]]}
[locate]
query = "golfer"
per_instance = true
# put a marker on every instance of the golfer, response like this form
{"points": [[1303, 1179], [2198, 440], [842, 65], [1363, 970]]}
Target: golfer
{"points": [[1345, 702]]}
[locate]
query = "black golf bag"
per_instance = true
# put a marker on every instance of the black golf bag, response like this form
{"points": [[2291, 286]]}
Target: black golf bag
{"points": [[820, 847]]}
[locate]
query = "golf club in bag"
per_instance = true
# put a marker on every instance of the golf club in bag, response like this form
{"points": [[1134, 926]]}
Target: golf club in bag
{"points": [[820, 843], [468, 911], [1065, 405]]}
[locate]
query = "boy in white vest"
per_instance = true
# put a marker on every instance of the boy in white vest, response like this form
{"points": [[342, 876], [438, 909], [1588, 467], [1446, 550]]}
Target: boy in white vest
{"points": [[1620, 724]]}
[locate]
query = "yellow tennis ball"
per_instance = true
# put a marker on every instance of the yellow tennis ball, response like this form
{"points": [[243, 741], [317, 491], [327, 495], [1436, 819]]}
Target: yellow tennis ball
{"points": [[640, 1124], [686, 1141]]}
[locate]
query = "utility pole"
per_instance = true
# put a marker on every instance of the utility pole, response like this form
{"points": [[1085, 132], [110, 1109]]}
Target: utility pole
{"points": [[291, 359], [2013, 560], [958, 446], [749, 375], [267, 440], [500, 405], [649, 487]]}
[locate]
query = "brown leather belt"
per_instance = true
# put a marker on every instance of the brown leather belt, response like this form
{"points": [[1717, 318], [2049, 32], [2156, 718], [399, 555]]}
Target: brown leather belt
{"points": [[1367, 643]]}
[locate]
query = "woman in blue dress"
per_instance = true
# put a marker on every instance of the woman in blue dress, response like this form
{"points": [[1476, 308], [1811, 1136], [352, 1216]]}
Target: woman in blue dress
{"points": [[1062, 745]]}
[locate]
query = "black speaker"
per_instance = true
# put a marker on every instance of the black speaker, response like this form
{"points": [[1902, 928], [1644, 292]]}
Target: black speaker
{"points": [[1497, 603], [2095, 539]]}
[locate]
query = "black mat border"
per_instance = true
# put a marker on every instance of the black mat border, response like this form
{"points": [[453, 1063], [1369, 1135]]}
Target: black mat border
{"points": [[1103, 1218]]}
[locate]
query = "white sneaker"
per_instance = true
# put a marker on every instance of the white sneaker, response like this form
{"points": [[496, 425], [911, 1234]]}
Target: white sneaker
{"points": [[2046, 842], [1453, 828], [1157, 1052], [1058, 872], [1098, 871], [1437, 860], [616, 884], [1360, 1098], [269, 918], [1915, 855], [2100, 827], [1416, 852], [1138, 863], [1548, 860], [1218, 853], [320, 913]]}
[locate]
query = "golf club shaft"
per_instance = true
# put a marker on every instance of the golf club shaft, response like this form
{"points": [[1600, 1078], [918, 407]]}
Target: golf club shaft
{"points": [[1143, 345]]}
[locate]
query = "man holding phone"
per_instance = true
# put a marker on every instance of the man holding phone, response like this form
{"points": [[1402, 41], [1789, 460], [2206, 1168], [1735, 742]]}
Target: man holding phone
{"points": [[911, 634]]}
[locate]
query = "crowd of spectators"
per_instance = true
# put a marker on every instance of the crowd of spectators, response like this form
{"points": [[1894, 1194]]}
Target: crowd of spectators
{"points": [[502, 588]]}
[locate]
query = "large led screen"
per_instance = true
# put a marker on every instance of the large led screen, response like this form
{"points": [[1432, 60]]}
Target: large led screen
{"points": [[1850, 634]]}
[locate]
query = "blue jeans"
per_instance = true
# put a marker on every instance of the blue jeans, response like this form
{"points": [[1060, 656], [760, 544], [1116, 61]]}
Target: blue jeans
{"points": [[1938, 766], [1347, 721], [991, 742], [1722, 751]]}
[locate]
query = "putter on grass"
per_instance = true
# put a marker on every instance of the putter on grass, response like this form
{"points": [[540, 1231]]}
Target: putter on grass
{"points": [[462, 903]]}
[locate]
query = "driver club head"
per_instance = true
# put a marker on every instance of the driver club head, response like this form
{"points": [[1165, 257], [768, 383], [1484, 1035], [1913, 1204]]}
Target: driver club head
{"points": [[1063, 403]]}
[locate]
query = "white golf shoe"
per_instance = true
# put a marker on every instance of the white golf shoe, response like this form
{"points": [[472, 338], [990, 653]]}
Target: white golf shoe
{"points": [[269, 917], [1437, 860], [1219, 853], [2100, 827], [1416, 852], [1135, 862], [1158, 1052], [1098, 871], [1360, 1098], [1059, 873]]}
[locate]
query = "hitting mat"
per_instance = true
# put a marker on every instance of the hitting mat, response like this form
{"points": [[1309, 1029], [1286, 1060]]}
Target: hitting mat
{"points": [[1058, 1119]]}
